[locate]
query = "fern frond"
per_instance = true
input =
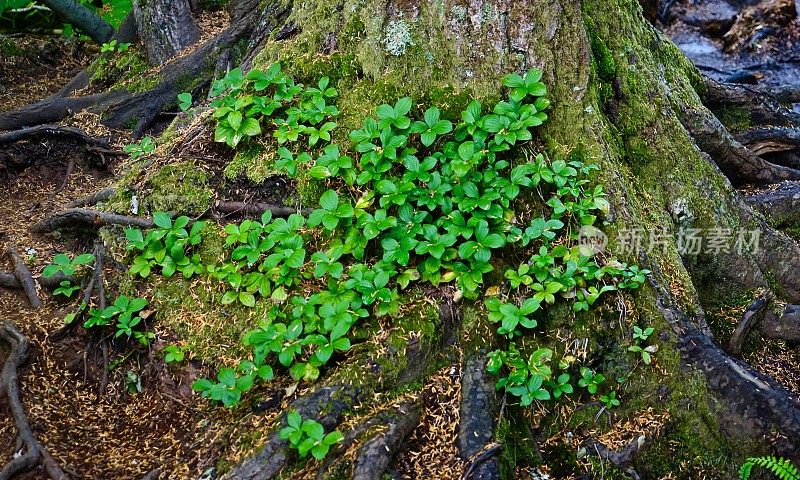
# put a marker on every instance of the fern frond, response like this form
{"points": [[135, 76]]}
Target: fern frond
{"points": [[781, 467]]}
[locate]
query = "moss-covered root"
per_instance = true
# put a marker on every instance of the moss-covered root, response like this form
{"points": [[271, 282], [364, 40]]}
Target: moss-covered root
{"points": [[384, 369], [754, 403]]}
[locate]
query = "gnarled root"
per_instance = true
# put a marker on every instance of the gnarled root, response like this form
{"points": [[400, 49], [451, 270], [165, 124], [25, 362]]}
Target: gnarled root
{"points": [[477, 417], [378, 450], [783, 327], [781, 204], [752, 315], [739, 164], [763, 107], [33, 453]]}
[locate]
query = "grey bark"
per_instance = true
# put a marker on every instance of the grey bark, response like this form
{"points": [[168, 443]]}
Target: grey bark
{"points": [[166, 27]]}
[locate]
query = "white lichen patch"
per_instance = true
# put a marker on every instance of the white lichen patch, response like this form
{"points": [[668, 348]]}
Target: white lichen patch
{"points": [[397, 38]]}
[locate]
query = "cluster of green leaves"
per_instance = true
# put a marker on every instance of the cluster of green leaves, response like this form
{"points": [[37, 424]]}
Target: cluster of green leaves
{"points": [[781, 467], [247, 105], [640, 337], [114, 46], [169, 246], [124, 315], [68, 267], [418, 200], [143, 147], [307, 435]]}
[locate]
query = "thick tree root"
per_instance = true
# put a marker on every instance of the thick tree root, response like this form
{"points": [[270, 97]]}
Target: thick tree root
{"points": [[762, 105], [476, 470], [32, 452], [761, 141], [24, 278], [378, 450], [752, 315], [784, 327], [756, 404], [75, 217], [478, 412], [737, 163], [58, 108], [328, 404], [781, 205]]}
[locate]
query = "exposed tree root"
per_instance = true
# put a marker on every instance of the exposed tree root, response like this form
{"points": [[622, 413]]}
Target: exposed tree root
{"points": [[58, 108], [761, 141], [9, 280], [476, 469], [378, 450], [752, 315], [24, 278], [328, 403], [762, 107], [780, 205], [75, 217], [31, 452], [478, 412], [756, 404], [737, 163], [783, 327]]}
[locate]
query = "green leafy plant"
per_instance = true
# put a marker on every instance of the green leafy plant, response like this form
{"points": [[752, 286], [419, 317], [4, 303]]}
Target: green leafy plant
{"points": [[144, 147], [307, 435], [114, 46], [781, 467], [167, 246], [610, 400], [184, 101], [640, 336], [64, 265], [174, 353], [590, 380], [528, 377]]}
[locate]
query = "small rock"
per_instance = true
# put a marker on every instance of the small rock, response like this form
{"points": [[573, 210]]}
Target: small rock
{"points": [[714, 17]]}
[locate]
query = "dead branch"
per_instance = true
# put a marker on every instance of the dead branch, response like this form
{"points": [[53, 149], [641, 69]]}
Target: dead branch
{"points": [[74, 217], [9, 280], [24, 277], [52, 130], [9, 386]]}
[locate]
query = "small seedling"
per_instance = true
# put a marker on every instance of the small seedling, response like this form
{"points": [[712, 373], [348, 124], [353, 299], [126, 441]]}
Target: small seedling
{"points": [[309, 436]]}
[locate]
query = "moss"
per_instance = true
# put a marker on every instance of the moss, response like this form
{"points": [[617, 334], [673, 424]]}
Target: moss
{"points": [[178, 187], [519, 450], [735, 119], [120, 70], [255, 161], [10, 48]]}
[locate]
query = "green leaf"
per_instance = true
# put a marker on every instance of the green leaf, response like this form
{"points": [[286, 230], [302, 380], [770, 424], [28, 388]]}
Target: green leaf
{"points": [[329, 200], [162, 220], [250, 127], [247, 299]]}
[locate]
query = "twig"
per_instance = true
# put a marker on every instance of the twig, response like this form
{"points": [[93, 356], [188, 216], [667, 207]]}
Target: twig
{"points": [[82, 216], [93, 199]]}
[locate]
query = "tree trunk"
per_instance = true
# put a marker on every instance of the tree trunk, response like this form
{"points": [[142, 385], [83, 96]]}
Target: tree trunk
{"points": [[166, 27]]}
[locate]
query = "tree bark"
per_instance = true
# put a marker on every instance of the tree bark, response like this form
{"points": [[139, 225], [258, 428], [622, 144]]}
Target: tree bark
{"points": [[166, 27]]}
